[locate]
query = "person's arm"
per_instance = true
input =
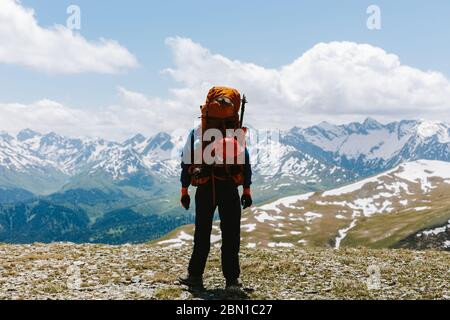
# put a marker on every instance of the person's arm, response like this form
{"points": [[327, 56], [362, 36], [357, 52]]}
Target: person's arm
{"points": [[185, 177], [186, 159], [246, 198], [247, 170]]}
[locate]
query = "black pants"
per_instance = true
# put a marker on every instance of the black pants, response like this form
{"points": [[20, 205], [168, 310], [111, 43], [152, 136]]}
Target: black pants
{"points": [[228, 201]]}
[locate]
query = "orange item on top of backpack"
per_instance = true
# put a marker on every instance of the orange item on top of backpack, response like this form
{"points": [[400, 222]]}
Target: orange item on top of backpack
{"points": [[221, 109]]}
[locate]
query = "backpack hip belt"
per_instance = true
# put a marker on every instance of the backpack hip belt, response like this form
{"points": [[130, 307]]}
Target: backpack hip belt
{"points": [[202, 174]]}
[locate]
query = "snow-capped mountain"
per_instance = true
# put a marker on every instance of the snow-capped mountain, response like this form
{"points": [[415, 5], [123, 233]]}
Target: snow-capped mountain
{"points": [[280, 168], [371, 147], [302, 159], [326, 155], [30, 153], [406, 206]]}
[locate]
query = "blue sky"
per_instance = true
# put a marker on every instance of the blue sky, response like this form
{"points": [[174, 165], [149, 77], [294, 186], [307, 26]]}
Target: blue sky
{"points": [[268, 34]]}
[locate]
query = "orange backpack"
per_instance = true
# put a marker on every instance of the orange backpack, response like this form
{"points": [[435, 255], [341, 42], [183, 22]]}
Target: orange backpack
{"points": [[220, 111]]}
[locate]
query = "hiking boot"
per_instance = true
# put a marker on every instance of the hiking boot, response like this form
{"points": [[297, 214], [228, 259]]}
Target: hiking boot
{"points": [[191, 281], [233, 284]]}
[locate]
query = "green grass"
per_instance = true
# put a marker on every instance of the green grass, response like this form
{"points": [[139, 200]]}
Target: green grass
{"points": [[385, 230]]}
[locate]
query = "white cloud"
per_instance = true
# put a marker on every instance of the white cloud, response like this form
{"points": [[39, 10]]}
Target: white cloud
{"points": [[47, 115], [56, 49], [337, 82], [135, 113]]}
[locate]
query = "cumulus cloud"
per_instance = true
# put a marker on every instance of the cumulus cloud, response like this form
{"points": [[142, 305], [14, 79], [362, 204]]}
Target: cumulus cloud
{"points": [[337, 82], [57, 49]]}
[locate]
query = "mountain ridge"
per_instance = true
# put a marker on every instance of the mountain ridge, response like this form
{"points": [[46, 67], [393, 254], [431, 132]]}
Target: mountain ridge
{"points": [[348, 146], [142, 173]]}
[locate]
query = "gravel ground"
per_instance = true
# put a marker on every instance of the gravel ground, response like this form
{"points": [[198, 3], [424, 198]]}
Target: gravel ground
{"points": [[69, 271]]}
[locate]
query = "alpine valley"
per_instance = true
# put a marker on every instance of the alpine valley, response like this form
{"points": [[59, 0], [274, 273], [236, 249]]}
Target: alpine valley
{"points": [[387, 186]]}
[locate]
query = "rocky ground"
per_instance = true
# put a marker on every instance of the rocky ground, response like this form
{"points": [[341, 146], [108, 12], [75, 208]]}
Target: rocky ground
{"points": [[68, 271]]}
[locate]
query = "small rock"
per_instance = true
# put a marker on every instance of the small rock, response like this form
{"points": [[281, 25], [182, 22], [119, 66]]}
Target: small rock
{"points": [[311, 291]]}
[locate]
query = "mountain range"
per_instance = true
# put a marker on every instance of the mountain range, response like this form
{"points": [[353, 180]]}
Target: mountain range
{"points": [[125, 183]]}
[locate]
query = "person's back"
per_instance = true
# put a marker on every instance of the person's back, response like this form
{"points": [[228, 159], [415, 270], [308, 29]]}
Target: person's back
{"points": [[217, 167]]}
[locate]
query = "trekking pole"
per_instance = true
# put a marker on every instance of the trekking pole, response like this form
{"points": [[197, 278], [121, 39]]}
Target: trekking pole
{"points": [[244, 102]]}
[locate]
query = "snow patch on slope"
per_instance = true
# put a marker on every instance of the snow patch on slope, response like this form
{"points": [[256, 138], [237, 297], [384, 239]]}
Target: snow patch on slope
{"points": [[343, 234], [419, 171], [286, 202]]}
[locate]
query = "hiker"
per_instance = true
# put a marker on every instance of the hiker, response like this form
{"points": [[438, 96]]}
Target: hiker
{"points": [[217, 185]]}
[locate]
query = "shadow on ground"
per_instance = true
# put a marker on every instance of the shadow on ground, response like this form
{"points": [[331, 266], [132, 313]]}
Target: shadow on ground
{"points": [[220, 294]]}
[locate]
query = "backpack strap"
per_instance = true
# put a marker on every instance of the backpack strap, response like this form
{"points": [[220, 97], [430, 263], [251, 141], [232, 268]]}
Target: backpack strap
{"points": [[192, 146]]}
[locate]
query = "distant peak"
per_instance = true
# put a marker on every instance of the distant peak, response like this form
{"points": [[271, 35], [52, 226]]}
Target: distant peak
{"points": [[371, 123], [52, 134], [296, 130], [424, 122], [160, 140], [326, 125], [26, 134], [428, 128], [371, 120], [5, 135], [162, 135], [138, 138]]}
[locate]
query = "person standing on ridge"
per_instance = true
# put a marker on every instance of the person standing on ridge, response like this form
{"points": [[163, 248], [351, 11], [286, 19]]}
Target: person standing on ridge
{"points": [[217, 184]]}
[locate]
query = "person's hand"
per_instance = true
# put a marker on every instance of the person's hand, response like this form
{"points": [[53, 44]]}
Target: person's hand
{"points": [[185, 198], [246, 199]]}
